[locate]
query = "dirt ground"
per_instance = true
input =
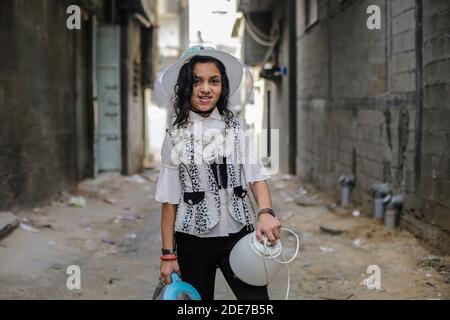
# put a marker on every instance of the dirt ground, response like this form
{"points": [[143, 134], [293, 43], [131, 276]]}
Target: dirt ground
{"points": [[115, 240]]}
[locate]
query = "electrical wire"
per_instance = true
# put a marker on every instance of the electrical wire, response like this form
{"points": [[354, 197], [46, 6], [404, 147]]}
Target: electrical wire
{"points": [[265, 240], [258, 35]]}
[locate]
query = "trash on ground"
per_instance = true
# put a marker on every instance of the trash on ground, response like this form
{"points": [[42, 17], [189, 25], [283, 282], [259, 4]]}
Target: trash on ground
{"points": [[29, 228], [110, 200], [78, 202], [135, 178], [333, 232], [326, 249], [358, 243], [112, 280], [39, 223], [356, 213], [108, 241], [127, 216], [57, 266]]}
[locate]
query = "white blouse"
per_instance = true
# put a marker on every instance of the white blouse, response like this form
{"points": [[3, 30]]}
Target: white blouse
{"points": [[168, 188]]}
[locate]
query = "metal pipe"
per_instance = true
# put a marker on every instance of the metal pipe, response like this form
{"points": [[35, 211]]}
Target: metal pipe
{"points": [[347, 184], [381, 196], [393, 210]]}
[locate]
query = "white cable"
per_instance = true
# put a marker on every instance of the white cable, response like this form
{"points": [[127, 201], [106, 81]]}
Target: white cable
{"points": [[255, 37], [281, 262], [296, 249], [289, 279], [258, 35], [255, 29], [258, 39]]}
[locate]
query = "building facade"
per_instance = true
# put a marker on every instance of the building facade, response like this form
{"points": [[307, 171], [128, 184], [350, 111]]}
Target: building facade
{"points": [[372, 103], [71, 100]]}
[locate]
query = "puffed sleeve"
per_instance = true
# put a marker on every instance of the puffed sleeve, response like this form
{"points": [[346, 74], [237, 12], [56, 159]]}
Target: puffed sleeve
{"points": [[168, 188], [252, 165], [255, 172]]}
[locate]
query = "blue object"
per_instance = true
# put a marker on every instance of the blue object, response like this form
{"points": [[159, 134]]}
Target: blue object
{"points": [[179, 290], [283, 70]]}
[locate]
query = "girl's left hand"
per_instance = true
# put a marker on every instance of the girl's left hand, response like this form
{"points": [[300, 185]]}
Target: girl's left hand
{"points": [[270, 226]]}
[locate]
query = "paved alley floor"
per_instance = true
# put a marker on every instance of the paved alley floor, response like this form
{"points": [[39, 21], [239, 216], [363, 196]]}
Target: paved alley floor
{"points": [[114, 238]]}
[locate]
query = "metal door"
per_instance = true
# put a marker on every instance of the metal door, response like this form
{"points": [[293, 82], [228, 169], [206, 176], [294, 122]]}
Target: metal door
{"points": [[109, 154]]}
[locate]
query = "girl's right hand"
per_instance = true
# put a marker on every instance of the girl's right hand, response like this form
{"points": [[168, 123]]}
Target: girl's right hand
{"points": [[167, 268]]}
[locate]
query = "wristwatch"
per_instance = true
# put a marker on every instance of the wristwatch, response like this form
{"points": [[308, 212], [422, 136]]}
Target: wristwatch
{"points": [[266, 210], [167, 251]]}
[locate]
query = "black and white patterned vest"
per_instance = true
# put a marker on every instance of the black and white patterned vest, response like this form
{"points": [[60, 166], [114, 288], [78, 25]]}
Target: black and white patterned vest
{"points": [[199, 208]]}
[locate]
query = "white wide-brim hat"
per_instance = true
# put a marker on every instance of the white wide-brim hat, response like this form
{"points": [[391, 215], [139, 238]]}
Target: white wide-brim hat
{"points": [[167, 78]]}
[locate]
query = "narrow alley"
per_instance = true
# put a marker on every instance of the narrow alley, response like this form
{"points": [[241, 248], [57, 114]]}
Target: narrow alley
{"points": [[113, 236], [343, 102]]}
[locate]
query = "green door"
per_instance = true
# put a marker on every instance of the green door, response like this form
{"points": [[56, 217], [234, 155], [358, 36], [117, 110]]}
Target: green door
{"points": [[109, 155]]}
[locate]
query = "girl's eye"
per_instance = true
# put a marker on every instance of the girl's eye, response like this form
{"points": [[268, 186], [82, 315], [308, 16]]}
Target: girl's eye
{"points": [[215, 81]]}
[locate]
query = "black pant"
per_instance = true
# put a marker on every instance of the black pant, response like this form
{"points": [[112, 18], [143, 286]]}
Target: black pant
{"points": [[199, 259]]}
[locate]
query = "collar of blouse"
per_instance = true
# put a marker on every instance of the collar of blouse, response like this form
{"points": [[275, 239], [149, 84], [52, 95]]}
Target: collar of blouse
{"points": [[194, 117]]}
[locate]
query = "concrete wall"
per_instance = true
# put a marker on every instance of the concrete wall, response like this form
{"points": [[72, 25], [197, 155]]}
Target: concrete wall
{"points": [[432, 221], [46, 111], [345, 114], [279, 110], [37, 102], [132, 99], [359, 102]]}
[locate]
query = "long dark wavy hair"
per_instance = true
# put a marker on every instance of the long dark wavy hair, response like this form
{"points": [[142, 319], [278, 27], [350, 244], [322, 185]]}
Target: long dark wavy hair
{"points": [[184, 88]]}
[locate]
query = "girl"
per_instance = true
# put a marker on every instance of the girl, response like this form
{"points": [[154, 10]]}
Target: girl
{"points": [[202, 185]]}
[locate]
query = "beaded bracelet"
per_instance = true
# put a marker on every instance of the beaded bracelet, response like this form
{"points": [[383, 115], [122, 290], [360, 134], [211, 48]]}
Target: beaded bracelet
{"points": [[170, 257]]}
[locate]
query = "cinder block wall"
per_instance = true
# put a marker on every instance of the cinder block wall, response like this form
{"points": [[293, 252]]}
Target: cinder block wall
{"points": [[37, 102], [432, 221], [359, 103]]}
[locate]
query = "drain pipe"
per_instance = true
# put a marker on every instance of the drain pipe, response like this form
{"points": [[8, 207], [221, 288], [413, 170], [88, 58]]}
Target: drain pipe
{"points": [[347, 184], [381, 197], [393, 210]]}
